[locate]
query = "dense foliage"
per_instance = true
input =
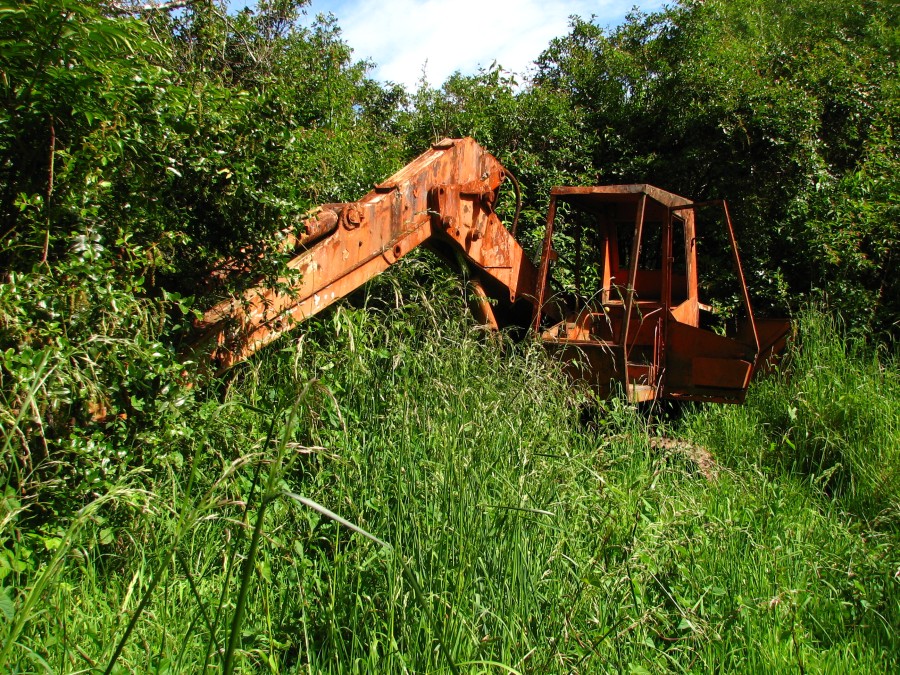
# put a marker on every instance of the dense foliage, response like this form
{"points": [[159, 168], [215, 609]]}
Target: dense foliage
{"points": [[788, 110], [142, 501], [132, 164]]}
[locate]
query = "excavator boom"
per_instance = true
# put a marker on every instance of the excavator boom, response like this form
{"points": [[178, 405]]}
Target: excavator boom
{"points": [[444, 199]]}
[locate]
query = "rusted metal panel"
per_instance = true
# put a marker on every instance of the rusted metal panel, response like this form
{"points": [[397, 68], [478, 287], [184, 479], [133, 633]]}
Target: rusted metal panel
{"points": [[707, 371]]}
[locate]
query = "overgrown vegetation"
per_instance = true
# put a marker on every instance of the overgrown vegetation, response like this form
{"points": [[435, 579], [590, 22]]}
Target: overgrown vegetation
{"points": [[512, 533], [828, 417], [393, 489]]}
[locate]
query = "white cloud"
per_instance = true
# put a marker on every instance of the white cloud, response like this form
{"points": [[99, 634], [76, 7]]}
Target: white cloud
{"points": [[403, 36]]}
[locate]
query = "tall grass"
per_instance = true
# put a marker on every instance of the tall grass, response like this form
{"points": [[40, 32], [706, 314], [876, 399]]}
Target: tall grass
{"points": [[396, 491], [830, 416]]}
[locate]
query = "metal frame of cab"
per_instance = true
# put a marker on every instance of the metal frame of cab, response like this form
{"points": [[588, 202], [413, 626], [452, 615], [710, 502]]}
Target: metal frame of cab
{"points": [[644, 330]]}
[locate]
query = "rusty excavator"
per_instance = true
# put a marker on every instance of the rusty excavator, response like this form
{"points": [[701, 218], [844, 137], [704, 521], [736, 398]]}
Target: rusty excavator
{"points": [[624, 313]]}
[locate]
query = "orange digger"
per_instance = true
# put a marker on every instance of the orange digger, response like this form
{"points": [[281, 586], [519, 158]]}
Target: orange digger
{"points": [[624, 313]]}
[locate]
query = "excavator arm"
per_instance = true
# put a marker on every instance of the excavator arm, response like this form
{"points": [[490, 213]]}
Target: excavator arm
{"points": [[444, 200]]}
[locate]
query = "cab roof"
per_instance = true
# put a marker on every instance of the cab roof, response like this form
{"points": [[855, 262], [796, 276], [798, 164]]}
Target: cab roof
{"points": [[630, 193]]}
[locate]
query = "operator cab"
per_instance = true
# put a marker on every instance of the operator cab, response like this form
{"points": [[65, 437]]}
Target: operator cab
{"points": [[622, 305]]}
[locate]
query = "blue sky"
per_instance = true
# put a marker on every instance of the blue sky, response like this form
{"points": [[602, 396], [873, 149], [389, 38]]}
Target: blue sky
{"points": [[403, 37]]}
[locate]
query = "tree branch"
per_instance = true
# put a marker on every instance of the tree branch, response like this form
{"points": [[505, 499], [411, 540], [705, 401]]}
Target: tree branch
{"points": [[129, 8]]}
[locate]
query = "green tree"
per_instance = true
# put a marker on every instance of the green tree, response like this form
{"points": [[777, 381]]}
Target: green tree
{"points": [[138, 150], [776, 107]]}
